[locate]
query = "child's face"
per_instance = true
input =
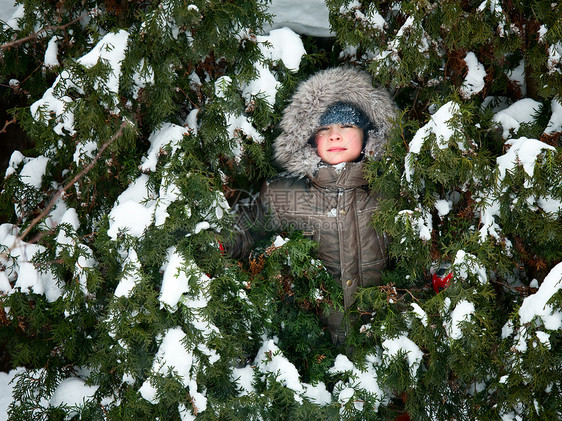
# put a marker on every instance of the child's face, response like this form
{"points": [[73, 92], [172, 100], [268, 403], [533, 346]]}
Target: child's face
{"points": [[338, 143]]}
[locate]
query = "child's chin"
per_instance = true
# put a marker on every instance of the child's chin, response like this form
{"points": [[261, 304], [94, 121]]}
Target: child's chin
{"points": [[337, 161]]}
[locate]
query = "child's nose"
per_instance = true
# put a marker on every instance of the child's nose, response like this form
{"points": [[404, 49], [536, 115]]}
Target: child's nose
{"points": [[334, 134]]}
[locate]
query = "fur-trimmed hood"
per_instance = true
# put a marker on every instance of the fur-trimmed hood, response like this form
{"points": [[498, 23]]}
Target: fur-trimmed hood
{"points": [[300, 121]]}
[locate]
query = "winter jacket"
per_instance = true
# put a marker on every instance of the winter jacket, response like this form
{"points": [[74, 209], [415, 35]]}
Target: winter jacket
{"points": [[330, 203], [334, 208]]}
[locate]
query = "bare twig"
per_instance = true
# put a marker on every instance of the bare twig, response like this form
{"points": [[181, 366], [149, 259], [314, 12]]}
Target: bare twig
{"points": [[60, 192], [409, 292], [6, 124], [34, 35]]}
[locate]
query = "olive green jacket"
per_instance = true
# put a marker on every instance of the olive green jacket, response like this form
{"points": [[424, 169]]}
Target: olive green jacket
{"points": [[334, 208]]}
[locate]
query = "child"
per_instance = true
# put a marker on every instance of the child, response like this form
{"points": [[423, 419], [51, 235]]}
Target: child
{"points": [[335, 120]]}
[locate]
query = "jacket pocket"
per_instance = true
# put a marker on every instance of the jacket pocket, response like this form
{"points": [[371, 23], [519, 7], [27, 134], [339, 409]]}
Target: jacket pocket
{"points": [[372, 272]]}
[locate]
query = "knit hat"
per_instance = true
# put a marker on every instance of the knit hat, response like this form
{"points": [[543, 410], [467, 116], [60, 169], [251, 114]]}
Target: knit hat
{"points": [[344, 113]]}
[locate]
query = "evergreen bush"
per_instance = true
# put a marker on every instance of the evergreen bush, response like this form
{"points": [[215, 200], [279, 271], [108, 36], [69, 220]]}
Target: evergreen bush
{"points": [[150, 119]]}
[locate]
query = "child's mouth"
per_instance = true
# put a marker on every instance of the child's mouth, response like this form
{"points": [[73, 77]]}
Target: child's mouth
{"points": [[336, 149]]}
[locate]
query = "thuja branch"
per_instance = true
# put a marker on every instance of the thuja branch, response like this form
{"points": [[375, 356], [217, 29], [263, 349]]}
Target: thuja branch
{"points": [[60, 192], [34, 35]]}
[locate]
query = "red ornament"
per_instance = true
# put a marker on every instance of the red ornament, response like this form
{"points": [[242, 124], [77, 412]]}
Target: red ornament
{"points": [[441, 278]]}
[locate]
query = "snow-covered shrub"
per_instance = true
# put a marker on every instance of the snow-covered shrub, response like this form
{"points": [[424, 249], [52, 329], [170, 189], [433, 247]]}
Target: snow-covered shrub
{"points": [[149, 119]]}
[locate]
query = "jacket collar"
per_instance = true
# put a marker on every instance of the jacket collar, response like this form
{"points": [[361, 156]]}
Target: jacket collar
{"points": [[348, 175]]}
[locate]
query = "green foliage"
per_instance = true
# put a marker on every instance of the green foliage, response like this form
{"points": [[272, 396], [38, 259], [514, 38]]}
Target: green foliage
{"points": [[454, 193], [147, 318], [298, 289]]}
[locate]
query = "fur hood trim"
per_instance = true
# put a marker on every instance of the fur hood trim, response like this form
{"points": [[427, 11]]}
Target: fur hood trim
{"points": [[301, 117]]}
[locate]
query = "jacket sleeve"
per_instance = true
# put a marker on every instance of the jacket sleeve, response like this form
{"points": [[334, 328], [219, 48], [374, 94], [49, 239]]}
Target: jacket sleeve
{"points": [[253, 222]]}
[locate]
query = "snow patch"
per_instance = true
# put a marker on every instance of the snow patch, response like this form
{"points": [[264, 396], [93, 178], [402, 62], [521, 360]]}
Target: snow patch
{"points": [[403, 346], [474, 81], [462, 312], [56, 104], [72, 392], [271, 360], [173, 357], [537, 305], [523, 152], [520, 112], [19, 269], [555, 123], [33, 171], [131, 276], [440, 124], [364, 379], [466, 264], [420, 313], [51, 53], [167, 136], [133, 210]]}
